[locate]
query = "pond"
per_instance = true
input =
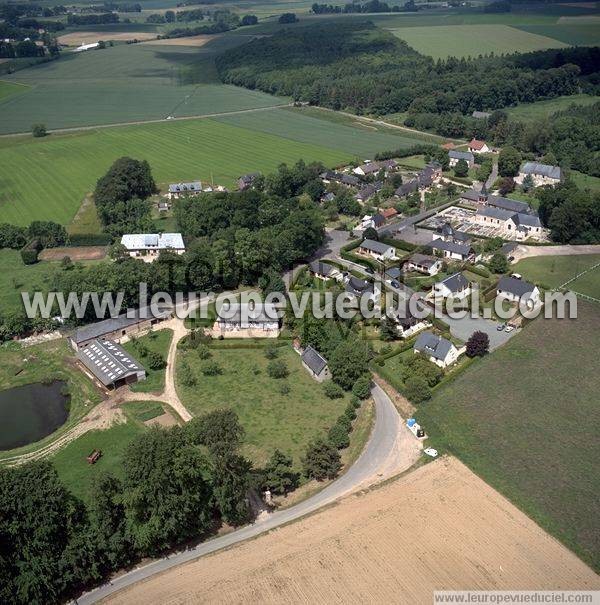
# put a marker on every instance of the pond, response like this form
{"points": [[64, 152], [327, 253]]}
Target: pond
{"points": [[30, 412]]}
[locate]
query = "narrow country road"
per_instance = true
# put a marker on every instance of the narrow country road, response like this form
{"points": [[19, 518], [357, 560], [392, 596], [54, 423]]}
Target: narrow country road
{"points": [[390, 450]]}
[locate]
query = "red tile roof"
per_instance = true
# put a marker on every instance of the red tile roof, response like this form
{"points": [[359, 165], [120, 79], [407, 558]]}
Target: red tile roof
{"points": [[389, 212], [475, 144]]}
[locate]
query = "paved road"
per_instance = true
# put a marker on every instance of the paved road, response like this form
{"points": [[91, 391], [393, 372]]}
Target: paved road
{"points": [[493, 175], [409, 221], [388, 438]]}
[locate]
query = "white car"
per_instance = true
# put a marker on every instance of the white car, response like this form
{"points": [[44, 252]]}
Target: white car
{"points": [[431, 452], [509, 329]]}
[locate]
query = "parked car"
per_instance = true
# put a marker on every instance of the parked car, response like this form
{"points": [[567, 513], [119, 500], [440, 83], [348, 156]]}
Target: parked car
{"points": [[501, 327], [431, 452], [369, 270], [509, 329], [394, 284]]}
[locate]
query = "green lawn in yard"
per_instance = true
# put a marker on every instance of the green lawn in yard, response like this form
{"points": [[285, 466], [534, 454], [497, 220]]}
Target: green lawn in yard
{"points": [[71, 463], [553, 271], [144, 410], [472, 40], [529, 112], [158, 342], [53, 360], [526, 419], [271, 419], [67, 167]]}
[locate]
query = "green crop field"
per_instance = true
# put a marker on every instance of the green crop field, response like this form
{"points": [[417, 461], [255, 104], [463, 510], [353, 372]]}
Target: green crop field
{"points": [[472, 40], [529, 112], [526, 419], [125, 83], [553, 271], [581, 34], [8, 89], [66, 167], [271, 419]]}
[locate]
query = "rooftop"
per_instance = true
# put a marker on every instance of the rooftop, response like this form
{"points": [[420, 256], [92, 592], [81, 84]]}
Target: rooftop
{"points": [[552, 172], [515, 286], [314, 360], [439, 244], [374, 246], [183, 187], [433, 345], [456, 283], [108, 361], [153, 241]]}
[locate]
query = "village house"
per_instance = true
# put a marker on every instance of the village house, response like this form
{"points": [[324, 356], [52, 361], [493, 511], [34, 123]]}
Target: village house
{"points": [[238, 320], [437, 349], [407, 325], [359, 287], [377, 250], [430, 265], [110, 364], [371, 168], [329, 176], [389, 213], [452, 250], [510, 224], [373, 222], [148, 246], [541, 174], [484, 199], [480, 115], [368, 191], [407, 188], [430, 174], [455, 286], [163, 206], [516, 290], [327, 197], [455, 156], [323, 271], [177, 190], [316, 364], [449, 234], [247, 180], [476, 146], [134, 322]]}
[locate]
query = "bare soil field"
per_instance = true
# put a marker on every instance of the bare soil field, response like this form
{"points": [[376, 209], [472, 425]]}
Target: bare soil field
{"points": [[190, 41], [85, 37], [75, 253], [439, 527]]}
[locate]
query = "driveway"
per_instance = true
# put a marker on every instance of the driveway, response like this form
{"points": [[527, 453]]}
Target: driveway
{"points": [[390, 450], [464, 328]]}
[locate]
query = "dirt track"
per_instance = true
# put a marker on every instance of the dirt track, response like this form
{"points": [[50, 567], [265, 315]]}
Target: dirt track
{"points": [[439, 527], [83, 37], [75, 253]]}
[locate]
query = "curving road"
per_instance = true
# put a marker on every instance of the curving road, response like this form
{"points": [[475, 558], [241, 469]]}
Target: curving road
{"points": [[390, 450]]}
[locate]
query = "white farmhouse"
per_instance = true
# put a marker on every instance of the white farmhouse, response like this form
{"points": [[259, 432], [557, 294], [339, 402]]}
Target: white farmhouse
{"points": [[455, 156], [541, 174], [455, 286], [510, 224], [437, 349], [148, 246], [377, 250], [516, 290], [430, 265], [453, 250]]}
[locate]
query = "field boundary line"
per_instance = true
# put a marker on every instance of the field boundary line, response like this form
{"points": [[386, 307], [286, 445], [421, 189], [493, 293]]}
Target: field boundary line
{"points": [[578, 276]]}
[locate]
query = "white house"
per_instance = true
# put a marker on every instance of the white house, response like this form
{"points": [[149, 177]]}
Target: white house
{"points": [[323, 271], [476, 146], [316, 364], [408, 325], [437, 349], [453, 250], [455, 286], [148, 246], [510, 224], [238, 320], [430, 265], [83, 47], [377, 250], [455, 156], [541, 174], [515, 290], [183, 189]]}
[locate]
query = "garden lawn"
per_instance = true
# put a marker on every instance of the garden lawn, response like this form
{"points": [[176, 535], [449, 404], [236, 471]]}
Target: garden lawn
{"points": [[156, 342], [66, 167], [553, 271], [271, 419], [445, 41], [526, 419], [53, 360]]}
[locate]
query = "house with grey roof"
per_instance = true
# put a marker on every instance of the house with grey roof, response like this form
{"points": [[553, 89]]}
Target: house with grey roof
{"points": [[455, 156], [453, 251], [473, 196], [148, 246], [407, 324], [507, 204], [480, 115], [368, 191], [541, 174], [423, 263], [110, 364], [377, 250], [177, 190], [247, 180], [358, 287], [367, 169], [437, 349], [449, 234], [323, 271], [316, 364], [407, 188], [517, 290], [245, 320], [454, 286], [510, 224]]}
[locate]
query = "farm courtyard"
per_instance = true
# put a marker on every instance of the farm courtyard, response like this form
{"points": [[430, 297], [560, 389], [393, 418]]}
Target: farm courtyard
{"points": [[526, 419]]}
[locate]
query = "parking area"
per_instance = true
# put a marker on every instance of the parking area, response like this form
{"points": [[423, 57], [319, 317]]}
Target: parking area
{"points": [[464, 328]]}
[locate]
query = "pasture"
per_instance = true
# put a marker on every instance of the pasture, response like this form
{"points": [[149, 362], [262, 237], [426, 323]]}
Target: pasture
{"points": [[526, 420], [553, 271], [445, 41], [8, 89], [271, 418], [528, 112]]}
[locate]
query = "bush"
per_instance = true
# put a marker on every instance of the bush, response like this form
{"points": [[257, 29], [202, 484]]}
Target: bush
{"points": [[362, 387], [204, 351], [332, 390], [338, 436], [355, 402], [39, 130], [271, 352], [284, 388], [211, 368], [350, 412], [277, 369], [322, 461], [156, 361], [417, 389], [29, 253], [478, 345], [89, 239], [186, 376]]}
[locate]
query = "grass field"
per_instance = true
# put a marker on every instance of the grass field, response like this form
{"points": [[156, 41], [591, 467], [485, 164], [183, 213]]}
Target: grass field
{"points": [[125, 83], [271, 419], [52, 360], [529, 112], [579, 34], [553, 271], [526, 419], [585, 181], [472, 40], [8, 89], [156, 342]]}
